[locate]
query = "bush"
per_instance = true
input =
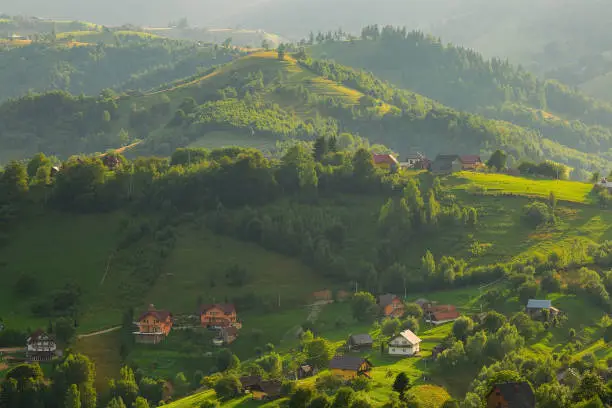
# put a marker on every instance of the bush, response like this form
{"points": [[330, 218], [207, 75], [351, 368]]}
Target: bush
{"points": [[537, 213]]}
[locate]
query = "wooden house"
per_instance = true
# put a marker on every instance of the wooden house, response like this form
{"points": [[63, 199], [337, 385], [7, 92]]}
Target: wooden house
{"points": [[511, 395], [219, 315], [391, 305], [417, 161], [153, 326], [358, 342], [405, 344], [385, 161], [40, 346], [350, 367], [470, 162]]}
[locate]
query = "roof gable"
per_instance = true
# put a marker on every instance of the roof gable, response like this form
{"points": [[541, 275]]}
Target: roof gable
{"points": [[384, 158], [161, 315], [361, 339], [409, 336], [387, 299], [351, 363], [227, 308]]}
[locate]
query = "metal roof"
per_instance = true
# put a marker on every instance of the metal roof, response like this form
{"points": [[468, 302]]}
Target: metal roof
{"points": [[539, 304]]}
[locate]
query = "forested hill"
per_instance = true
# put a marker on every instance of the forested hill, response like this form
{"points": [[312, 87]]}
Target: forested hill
{"points": [[465, 80], [256, 101], [128, 63]]}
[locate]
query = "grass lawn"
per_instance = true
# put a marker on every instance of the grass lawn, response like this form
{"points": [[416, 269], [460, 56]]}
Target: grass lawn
{"points": [[57, 249], [572, 191], [103, 350], [197, 269], [225, 138]]}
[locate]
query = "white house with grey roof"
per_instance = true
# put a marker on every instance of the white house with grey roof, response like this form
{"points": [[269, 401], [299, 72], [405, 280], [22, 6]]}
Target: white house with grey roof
{"points": [[405, 344], [535, 306]]}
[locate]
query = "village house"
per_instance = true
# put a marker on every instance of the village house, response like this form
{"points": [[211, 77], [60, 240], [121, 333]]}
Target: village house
{"points": [[358, 342], [349, 367], [416, 161], [404, 344], [260, 389], [535, 307], [605, 184], [446, 164], [440, 314], [391, 305], [323, 296], [40, 346], [219, 315], [385, 161], [470, 162], [306, 371], [511, 395], [227, 335], [266, 390], [153, 326]]}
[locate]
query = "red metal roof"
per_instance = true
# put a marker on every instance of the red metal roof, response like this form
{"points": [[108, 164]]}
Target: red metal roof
{"points": [[449, 315], [470, 159], [384, 158]]}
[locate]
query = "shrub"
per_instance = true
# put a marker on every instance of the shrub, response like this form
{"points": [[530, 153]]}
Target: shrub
{"points": [[537, 213]]}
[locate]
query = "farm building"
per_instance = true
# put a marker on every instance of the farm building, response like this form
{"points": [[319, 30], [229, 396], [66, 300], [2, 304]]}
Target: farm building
{"points": [[404, 344], [440, 314]]}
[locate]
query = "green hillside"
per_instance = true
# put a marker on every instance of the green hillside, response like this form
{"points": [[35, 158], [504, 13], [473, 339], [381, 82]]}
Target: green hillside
{"points": [[268, 100], [84, 63], [96, 243], [463, 79]]}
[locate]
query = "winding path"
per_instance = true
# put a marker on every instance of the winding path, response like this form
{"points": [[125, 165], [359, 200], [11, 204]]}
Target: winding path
{"points": [[98, 333]]}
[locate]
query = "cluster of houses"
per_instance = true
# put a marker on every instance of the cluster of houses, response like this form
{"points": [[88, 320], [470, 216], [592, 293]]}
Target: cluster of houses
{"points": [[442, 164], [153, 326], [604, 183]]}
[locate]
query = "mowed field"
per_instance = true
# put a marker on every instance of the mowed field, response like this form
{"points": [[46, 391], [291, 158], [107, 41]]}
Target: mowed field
{"points": [[492, 183]]}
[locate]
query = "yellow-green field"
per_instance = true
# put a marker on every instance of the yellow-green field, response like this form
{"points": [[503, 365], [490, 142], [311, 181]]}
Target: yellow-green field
{"points": [[492, 183]]}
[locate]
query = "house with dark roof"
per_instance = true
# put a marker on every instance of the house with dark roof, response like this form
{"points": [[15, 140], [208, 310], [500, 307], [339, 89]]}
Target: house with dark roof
{"points": [[219, 315], [535, 307], [446, 164], [511, 395], [405, 344], [40, 346], [153, 326], [391, 305], [349, 367], [266, 390], [357, 342]]}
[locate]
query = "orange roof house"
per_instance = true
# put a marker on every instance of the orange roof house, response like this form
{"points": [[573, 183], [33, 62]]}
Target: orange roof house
{"points": [[153, 326], [439, 314], [391, 305], [385, 161], [218, 315]]}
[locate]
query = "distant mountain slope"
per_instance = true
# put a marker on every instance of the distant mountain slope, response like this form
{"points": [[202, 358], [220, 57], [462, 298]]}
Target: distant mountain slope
{"points": [[262, 98], [465, 80], [129, 64]]}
